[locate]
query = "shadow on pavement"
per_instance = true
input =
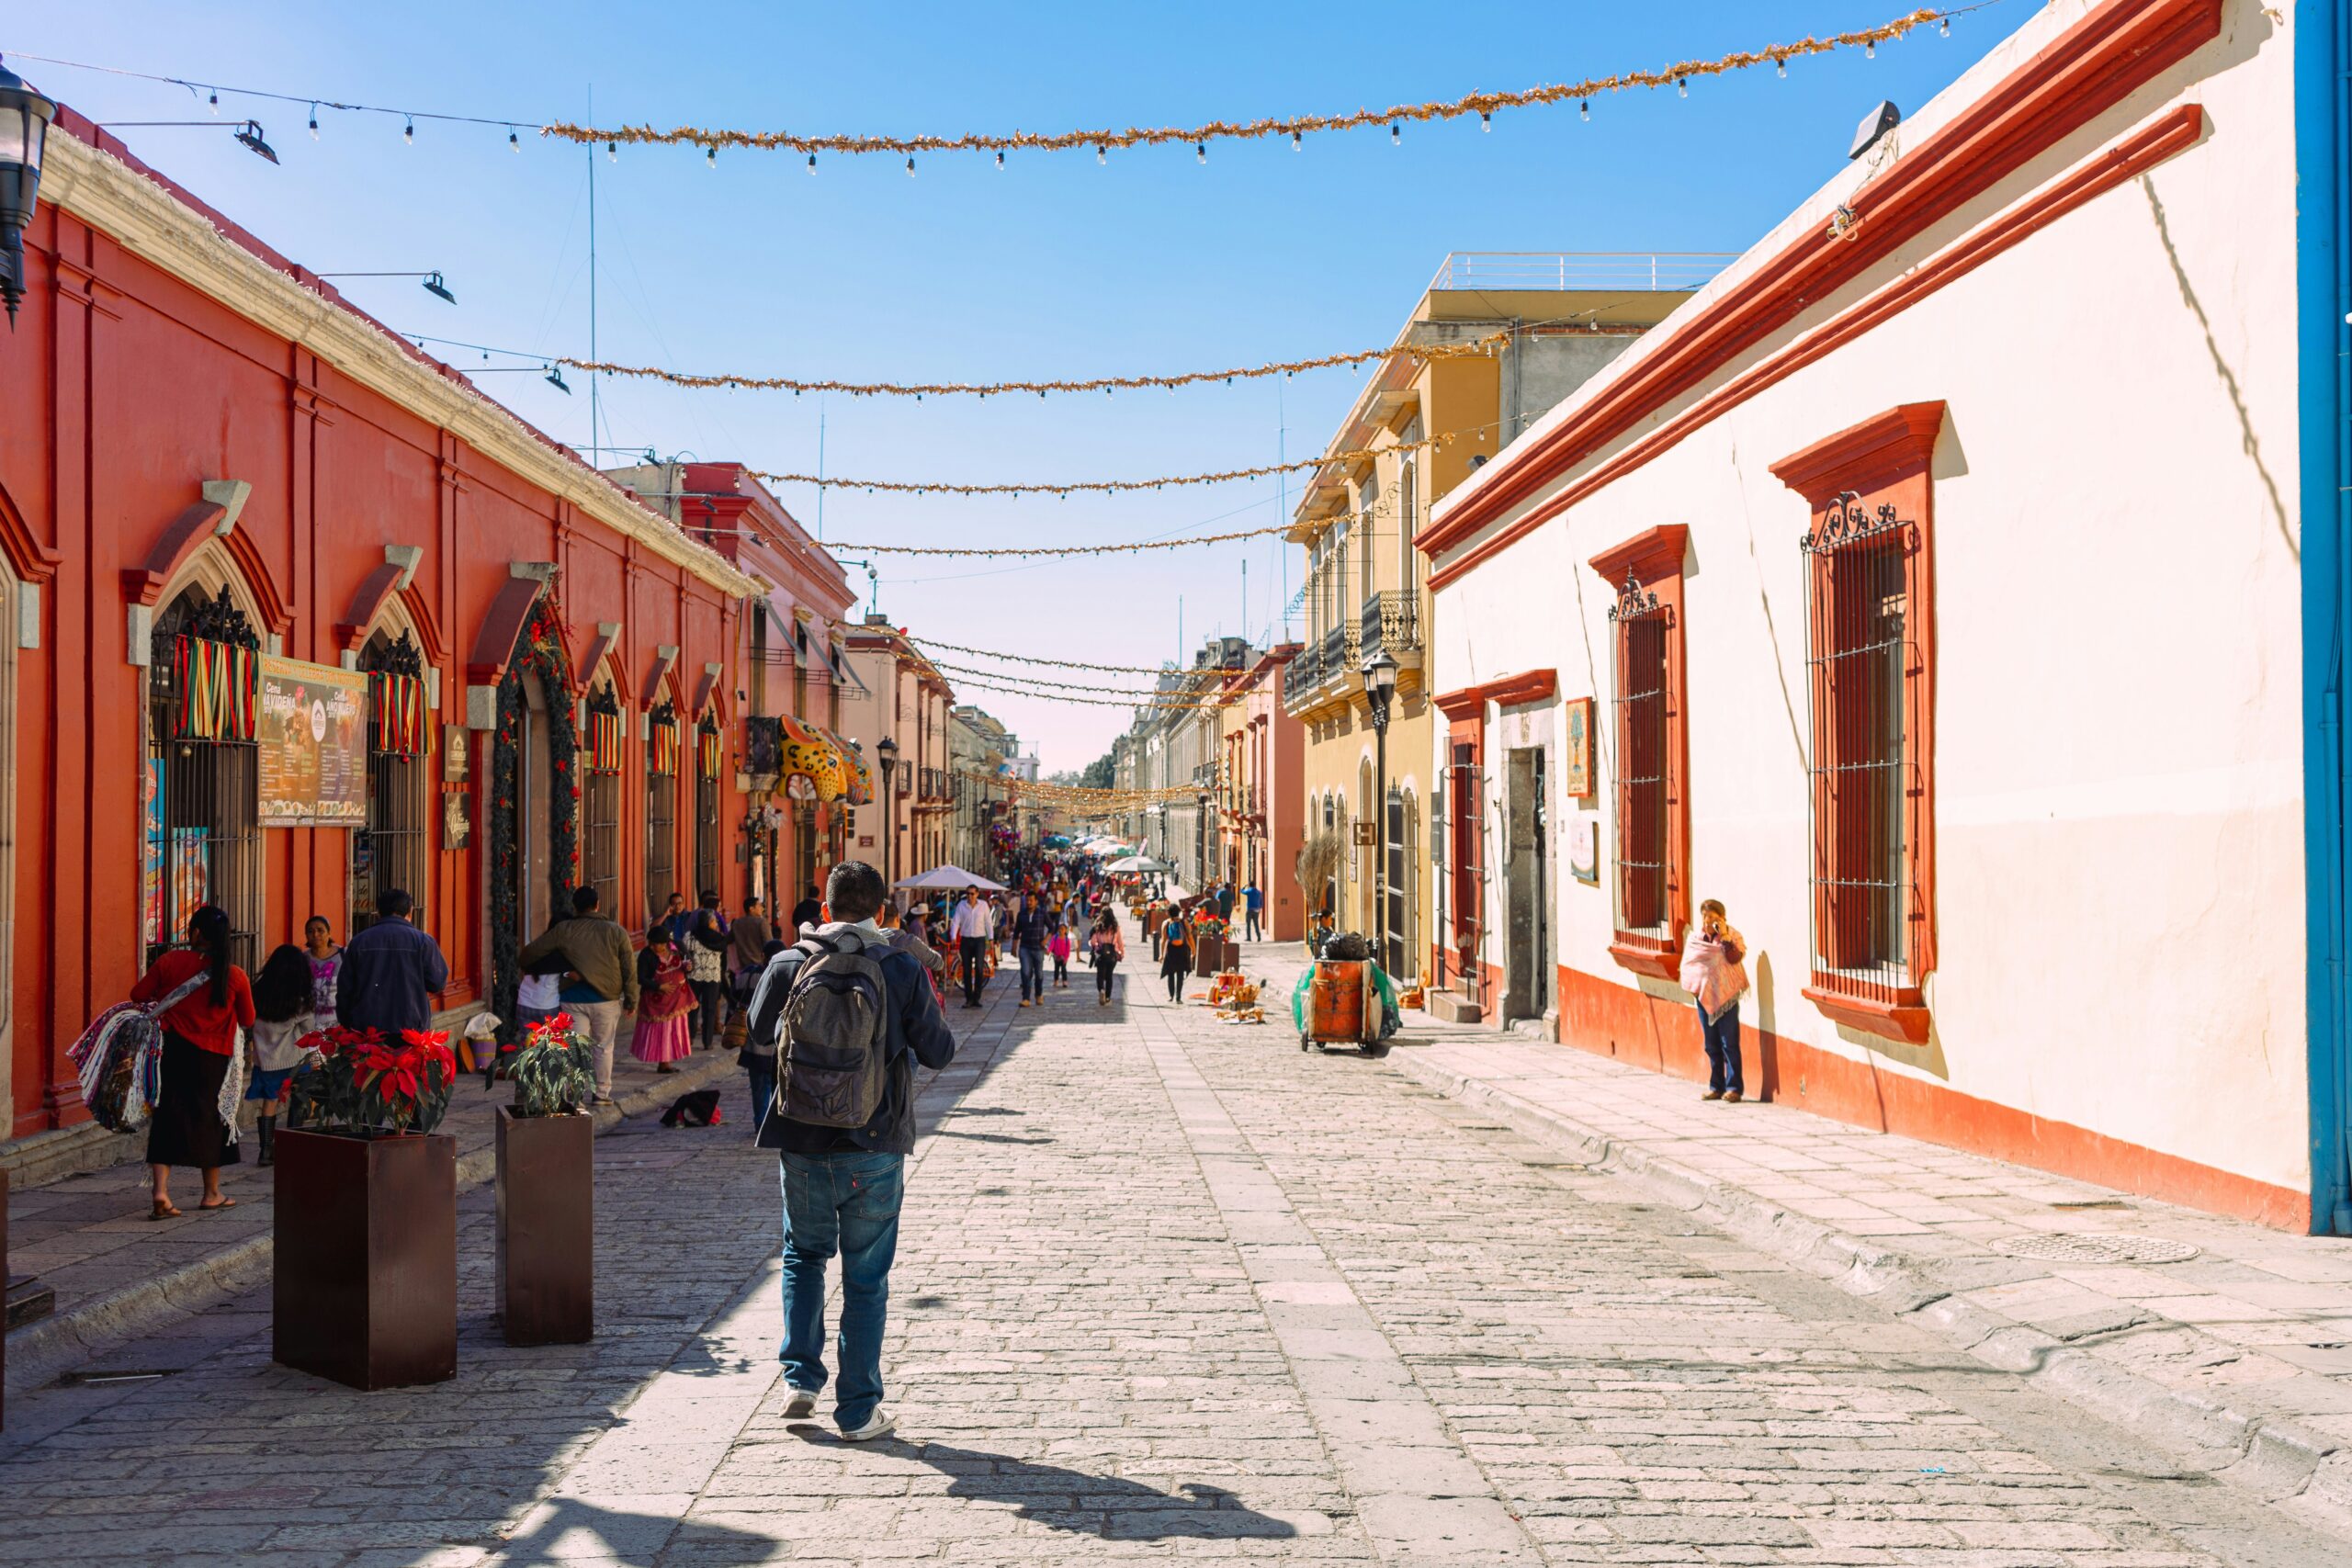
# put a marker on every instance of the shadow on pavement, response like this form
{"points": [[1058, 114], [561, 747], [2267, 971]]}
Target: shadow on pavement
{"points": [[570, 1530], [1098, 1505]]}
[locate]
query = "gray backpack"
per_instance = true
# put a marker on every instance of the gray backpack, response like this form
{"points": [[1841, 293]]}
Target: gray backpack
{"points": [[831, 1061]]}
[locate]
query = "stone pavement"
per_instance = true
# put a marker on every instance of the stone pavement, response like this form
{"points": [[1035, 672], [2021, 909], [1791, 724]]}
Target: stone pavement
{"points": [[2231, 1341], [1167, 1289], [117, 1274]]}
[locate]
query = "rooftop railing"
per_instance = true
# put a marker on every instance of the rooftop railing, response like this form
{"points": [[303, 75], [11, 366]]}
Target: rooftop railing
{"points": [[1588, 270]]}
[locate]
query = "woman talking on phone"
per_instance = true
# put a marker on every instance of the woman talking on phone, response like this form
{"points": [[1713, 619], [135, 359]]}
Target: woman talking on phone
{"points": [[1715, 971]]}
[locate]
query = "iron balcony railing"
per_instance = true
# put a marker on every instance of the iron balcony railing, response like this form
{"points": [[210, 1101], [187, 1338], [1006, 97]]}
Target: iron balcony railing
{"points": [[1391, 621], [1301, 675], [1338, 657], [1661, 270]]}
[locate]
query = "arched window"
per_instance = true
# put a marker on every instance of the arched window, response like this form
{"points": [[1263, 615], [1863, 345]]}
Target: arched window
{"points": [[710, 761], [394, 847], [600, 816], [664, 757], [202, 783]]}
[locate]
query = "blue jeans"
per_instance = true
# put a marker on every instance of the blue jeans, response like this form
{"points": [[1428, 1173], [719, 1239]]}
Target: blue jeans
{"points": [[1033, 973], [846, 1203], [762, 1072], [1722, 1051]]}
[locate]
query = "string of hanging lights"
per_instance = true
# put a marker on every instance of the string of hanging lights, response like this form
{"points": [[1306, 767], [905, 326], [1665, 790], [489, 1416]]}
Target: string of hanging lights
{"points": [[1067, 685], [1059, 550], [1156, 702], [1095, 487], [1029, 659], [1044, 789], [1297, 127]]}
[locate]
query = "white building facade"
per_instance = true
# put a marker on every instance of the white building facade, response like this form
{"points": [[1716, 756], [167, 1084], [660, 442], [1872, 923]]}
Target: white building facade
{"points": [[1932, 589]]}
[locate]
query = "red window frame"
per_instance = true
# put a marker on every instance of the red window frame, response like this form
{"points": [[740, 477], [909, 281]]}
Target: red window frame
{"points": [[1871, 493], [1645, 572]]}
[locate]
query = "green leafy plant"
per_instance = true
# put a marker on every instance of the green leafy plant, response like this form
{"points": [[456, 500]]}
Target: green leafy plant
{"points": [[555, 1072], [356, 1081]]}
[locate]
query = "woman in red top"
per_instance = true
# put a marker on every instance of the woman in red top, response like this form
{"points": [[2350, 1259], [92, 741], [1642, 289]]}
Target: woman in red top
{"points": [[200, 1042]]}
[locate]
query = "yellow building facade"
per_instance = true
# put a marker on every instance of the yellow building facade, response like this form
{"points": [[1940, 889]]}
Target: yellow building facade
{"points": [[1430, 413]]}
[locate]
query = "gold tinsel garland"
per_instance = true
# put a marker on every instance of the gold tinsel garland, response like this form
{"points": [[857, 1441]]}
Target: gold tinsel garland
{"points": [[1466, 350], [1059, 550], [1480, 104], [1154, 702]]}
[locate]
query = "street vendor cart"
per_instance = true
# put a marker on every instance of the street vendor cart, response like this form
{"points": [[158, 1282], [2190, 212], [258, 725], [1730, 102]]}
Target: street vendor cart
{"points": [[1345, 1003]]}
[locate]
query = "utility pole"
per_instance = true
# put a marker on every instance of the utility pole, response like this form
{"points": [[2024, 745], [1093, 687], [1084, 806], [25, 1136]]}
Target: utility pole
{"points": [[594, 425]]}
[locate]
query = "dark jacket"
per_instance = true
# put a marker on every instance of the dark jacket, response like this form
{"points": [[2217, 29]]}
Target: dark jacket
{"points": [[1032, 926], [390, 973], [914, 1031], [597, 949]]}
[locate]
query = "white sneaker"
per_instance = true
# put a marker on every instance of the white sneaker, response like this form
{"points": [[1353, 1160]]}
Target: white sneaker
{"points": [[877, 1425], [801, 1405]]}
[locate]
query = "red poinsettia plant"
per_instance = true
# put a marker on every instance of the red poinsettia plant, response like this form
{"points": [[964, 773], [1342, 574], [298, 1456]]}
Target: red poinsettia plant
{"points": [[1207, 923], [357, 1081]]}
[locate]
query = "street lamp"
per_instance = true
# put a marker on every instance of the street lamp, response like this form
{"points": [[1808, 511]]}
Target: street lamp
{"points": [[887, 750], [24, 127], [1379, 688]]}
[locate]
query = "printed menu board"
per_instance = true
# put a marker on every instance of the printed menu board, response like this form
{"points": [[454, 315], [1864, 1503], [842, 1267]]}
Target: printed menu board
{"points": [[313, 735]]}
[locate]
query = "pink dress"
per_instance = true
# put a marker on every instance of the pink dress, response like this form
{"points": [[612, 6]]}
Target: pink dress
{"points": [[662, 1034]]}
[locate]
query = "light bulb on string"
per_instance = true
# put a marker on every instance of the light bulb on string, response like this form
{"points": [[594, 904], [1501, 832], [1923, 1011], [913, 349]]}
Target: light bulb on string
{"points": [[1000, 160], [1869, 50], [612, 152], [315, 122], [1102, 153], [1486, 120], [1395, 137], [812, 162], [1201, 151], [1681, 88], [910, 165], [1295, 144], [515, 142], [408, 133], [1783, 66], [1944, 28], [1584, 111], [215, 102], [710, 157]]}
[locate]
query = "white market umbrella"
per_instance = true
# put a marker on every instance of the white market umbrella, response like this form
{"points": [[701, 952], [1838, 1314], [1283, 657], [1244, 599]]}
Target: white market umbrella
{"points": [[1144, 865], [948, 879]]}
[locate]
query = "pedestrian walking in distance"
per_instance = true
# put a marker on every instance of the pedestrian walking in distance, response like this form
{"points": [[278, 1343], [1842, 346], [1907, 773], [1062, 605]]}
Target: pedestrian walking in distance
{"points": [[390, 971], [704, 948], [852, 1016], [284, 994], [1030, 930], [211, 999], [662, 1035], [1176, 955], [971, 926], [1253, 901], [596, 950], [1714, 970], [1104, 947], [1058, 944]]}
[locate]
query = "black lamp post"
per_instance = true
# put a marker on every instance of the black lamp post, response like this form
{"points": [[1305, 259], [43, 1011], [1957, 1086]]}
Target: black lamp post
{"points": [[887, 750], [1379, 688], [24, 117]]}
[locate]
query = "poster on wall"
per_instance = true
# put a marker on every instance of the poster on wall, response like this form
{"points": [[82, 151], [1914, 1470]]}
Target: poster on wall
{"points": [[150, 852], [1576, 774], [1584, 849], [314, 738]]}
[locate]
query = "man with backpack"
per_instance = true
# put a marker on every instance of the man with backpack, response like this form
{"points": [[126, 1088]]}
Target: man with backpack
{"points": [[849, 1016]]}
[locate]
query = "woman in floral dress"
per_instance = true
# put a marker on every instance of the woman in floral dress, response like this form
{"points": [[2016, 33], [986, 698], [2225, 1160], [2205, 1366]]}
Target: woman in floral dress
{"points": [[664, 999]]}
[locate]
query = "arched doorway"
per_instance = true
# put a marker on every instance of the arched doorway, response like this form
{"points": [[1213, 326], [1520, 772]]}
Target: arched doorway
{"points": [[200, 788], [532, 819]]}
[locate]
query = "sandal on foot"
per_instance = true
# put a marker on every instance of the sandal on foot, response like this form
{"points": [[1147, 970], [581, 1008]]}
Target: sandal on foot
{"points": [[216, 1208], [162, 1210]]}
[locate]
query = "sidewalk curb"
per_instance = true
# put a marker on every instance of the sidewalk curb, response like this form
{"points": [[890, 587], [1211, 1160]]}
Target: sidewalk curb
{"points": [[39, 1352], [2276, 1461]]}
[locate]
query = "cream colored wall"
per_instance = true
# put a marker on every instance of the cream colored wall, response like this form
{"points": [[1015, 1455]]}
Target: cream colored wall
{"points": [[2118, 799]]}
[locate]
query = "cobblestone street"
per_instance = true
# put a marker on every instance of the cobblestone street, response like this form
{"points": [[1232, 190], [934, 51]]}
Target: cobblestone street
{"points": [[1166, 1288]]}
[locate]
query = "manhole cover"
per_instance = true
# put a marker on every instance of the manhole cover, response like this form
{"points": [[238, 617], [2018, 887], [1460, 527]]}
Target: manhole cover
{"points": [[2062, 1247]]}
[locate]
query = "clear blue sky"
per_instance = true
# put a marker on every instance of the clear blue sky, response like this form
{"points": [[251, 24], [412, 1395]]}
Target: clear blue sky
{"points": [[1053, 268]]}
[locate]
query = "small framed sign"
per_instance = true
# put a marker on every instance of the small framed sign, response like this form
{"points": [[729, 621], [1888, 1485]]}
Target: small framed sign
{"points": [[1365, 827], [1576, 771], [455, 758], [456, 820], [865, 840]]}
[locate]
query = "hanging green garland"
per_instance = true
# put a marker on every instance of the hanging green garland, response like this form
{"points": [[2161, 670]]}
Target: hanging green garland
{"points": [[538, 653]]}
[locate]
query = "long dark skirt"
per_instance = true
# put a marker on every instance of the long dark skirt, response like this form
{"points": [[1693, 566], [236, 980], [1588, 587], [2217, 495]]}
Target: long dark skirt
{"points": [[186, 1128]]}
